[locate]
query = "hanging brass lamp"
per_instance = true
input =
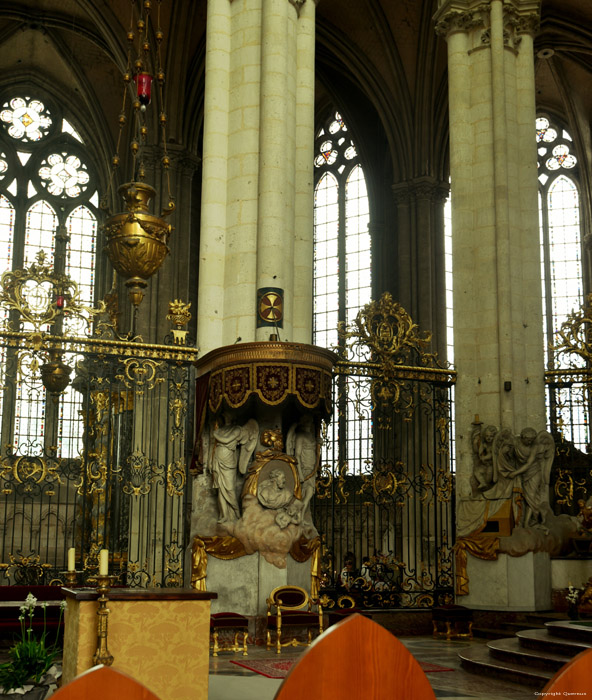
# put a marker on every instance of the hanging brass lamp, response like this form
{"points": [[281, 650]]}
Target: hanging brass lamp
{"points": [[136, 240], [55, 373]]}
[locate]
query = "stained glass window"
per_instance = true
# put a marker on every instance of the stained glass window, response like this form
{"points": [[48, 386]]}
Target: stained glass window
{"points": [[342, 269], [48, 202], [561, 255]]}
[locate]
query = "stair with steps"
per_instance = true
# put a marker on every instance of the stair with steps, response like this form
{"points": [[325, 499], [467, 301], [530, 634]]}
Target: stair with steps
{"points": [[533, 655], [505, 628]]}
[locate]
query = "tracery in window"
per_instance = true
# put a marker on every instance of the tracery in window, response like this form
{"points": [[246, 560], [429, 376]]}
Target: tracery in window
{"points": [[48, 202], [559, 211], [342, 269], [561, 256], [25, 119]]}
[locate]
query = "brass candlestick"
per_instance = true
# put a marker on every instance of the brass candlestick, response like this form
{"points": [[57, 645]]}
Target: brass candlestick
{"points": [[71, 577], [102, 655]]}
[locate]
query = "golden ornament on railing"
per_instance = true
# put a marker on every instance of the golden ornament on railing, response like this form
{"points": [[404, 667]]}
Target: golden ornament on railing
{"points": [[574, 338], [55, 374], [136, 239]]}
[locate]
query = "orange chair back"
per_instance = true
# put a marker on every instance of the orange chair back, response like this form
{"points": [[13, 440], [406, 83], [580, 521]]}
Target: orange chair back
{"points": [[356, 659], [572, 679], [104, 683]]}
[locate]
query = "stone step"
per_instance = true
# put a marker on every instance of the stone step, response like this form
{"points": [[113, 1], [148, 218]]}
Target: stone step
{"points": [[511, 650], [537, 639], [516, 626], [576, 630], [489, 632], [541, 618], [479, 660]]}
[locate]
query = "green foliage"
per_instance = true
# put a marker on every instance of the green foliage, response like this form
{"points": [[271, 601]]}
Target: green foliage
{"points": [[30, 658]]}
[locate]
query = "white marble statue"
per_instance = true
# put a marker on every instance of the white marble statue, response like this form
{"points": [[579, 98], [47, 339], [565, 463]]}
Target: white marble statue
{"points": [[529, 457], [482, 439], [303, 444], [233, 448], [272, 492], [509, 468]]}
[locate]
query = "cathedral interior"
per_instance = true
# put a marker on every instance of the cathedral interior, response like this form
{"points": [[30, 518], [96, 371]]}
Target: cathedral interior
{"points": [[295, 294]]}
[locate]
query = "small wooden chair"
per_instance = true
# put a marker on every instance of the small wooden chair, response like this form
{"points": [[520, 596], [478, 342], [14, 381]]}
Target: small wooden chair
{"points": [[356, 659], [573, 678], [233, 622], [291, 606], [104, 683]]}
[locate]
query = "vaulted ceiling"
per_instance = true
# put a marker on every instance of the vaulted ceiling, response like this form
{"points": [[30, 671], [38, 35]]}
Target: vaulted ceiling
{"points": [[380, 58]]}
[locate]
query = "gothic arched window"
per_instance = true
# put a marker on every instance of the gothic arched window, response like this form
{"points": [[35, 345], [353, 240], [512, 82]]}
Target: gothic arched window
{"points": [[561, 256], [342, 259], [342, 273], [48, 202]]}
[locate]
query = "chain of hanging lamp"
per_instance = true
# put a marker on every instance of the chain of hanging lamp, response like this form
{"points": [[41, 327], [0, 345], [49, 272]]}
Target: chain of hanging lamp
{"points": [[136, 241]]}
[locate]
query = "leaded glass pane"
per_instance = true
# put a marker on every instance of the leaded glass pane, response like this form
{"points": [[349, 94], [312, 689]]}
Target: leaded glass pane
{"points": [[326, 231], [6, 233], [40, 232], [80, 257]]}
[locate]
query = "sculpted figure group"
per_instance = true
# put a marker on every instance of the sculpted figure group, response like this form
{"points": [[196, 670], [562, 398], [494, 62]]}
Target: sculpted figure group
{"points": [[505, 464], [229, 450]]}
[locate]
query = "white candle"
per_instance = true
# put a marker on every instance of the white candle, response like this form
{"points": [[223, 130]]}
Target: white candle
{"points": [[72, 559], [104, 562]]}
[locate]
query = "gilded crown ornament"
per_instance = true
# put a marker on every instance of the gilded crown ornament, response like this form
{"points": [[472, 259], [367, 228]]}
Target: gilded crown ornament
{"points": [[42, 298], [136, 240]]}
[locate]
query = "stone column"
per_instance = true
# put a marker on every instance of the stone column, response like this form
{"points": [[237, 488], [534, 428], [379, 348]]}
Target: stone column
{"points": [[496, 251], [256, 226], [420, 225], [497, 286]]}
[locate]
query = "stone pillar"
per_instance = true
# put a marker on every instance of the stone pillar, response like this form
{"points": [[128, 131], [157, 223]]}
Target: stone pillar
{"points": [[420, 224], [497, 286], [498, 333], [257, 196]]}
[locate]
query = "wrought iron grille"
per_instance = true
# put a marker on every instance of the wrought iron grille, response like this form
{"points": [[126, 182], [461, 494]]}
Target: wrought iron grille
{"points": [[103, 466], [385, 493], [569, 401], [568, 396], [95, 434]]}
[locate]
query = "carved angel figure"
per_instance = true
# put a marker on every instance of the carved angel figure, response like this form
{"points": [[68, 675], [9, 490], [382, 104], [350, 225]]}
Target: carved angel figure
{"points": [[233, 446], [482, 439], [303, 444], [528, 456]]}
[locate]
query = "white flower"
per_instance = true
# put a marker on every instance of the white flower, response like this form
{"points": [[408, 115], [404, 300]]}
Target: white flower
{"points": [[63, 605], [573, 595], [44, 605], [30, 602]]}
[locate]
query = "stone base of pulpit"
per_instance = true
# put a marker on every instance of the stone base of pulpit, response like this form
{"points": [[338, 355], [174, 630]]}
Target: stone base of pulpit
{"points": [[160, 637], [509, 583], [243, 585]]}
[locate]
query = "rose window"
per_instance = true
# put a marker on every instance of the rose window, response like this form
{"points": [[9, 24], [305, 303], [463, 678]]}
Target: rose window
{"points": [[63, 175], [26, 119]]}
